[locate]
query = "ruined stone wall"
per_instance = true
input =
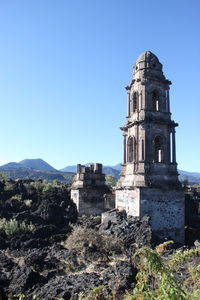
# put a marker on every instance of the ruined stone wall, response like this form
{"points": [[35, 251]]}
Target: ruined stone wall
{"points": [[89, 192], [165, 208], [109, 201], [128, 200], [92, 201]]}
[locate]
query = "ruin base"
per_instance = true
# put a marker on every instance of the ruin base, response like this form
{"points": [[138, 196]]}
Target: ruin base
{"points": [[165, 208], [92, 201]]}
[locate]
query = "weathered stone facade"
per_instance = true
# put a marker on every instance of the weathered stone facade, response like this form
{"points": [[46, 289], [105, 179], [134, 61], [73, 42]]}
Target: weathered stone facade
{"points": [[89, 192], [149, 182]]}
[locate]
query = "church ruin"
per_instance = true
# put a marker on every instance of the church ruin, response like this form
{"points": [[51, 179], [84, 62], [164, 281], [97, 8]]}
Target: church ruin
{"points": [[148, 183]]}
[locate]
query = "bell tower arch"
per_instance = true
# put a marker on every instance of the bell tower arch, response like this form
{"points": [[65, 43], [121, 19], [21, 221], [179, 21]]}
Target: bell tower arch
{"points": [[149, 164]]}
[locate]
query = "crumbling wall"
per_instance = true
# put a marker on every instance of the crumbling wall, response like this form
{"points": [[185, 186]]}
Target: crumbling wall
{"points": [[165, 208], [89, 201], [89, 191], [166, 211]]}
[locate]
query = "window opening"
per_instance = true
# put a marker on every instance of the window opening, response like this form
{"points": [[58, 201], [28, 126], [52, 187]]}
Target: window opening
{"points": [[142, 149], [130, 149], [157, 105], [155, 101], [171, 150], [159, 149], [135, 102], [159, 156]]}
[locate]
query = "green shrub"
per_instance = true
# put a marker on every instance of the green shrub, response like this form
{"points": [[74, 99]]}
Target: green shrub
{"points": [[162, 248], [8, 187], [17, 197], [3, 176], [181, 256], [12, 226], [44, 186], [154, 279]]}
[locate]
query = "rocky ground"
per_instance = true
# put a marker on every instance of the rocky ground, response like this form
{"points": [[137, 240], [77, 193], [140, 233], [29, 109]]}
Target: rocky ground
{"points": [[56, 255]]}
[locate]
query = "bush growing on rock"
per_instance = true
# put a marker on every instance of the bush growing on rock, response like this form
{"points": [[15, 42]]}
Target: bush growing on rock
{"points": [[87, 237], [12, 226]]}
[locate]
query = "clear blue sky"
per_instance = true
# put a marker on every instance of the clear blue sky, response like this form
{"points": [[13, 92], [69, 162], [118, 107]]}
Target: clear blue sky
{"points": [[64, 65]]}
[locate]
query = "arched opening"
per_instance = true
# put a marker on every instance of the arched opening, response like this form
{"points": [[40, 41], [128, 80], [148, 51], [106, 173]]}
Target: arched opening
{"points": [[155, 100], [135, 102], [130, 149], [159, 149]]}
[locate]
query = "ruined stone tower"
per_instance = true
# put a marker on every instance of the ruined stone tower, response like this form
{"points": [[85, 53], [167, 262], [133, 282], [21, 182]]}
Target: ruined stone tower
{"points": [[149, 182], [89, 190]]}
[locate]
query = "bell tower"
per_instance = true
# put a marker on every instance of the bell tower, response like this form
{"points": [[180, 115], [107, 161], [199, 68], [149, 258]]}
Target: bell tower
{"points": [[148, 181]]}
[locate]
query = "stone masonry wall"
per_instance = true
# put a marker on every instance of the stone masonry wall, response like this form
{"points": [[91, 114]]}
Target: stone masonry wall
{"points": [[128, 200], [165, 208], [89, 201]]}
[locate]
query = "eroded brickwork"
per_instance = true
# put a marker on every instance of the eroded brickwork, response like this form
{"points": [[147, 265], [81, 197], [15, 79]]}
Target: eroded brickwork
{"points": [[89, 192]]}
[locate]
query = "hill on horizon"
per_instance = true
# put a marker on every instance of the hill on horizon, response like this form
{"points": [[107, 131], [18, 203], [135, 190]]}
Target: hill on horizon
{"points": [[37, 163], [35, 169], [33, 163], [39, 169]]}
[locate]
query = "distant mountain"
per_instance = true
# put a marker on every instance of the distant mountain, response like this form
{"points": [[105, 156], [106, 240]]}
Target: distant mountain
{"points": [[37, 164], [191, 177], [111, 171], [11, 165], [27, 169], [116, 167], [69, 169], [28, 173]]}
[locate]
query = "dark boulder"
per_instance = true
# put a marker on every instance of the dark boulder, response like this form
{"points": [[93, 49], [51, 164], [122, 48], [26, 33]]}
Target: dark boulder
{"points": [[34, 243], [22, 279], [45, 231], [67, 286], [89, 221], [2, 294], [29, 218], [6, 266], [57, 208], [2, 240], [120, 277], [51, 213], [14, 205], [131, 230]]}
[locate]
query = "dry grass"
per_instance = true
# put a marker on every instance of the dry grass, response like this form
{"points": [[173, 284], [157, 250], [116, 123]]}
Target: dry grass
{"points": [[82, 237]]}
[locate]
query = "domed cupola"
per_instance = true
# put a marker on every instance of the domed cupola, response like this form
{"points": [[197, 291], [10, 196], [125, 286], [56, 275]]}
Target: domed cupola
{"points": [[148, 65]]}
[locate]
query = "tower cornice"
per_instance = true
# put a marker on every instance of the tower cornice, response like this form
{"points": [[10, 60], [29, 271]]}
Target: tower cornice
{"points": [[148, 121]]}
